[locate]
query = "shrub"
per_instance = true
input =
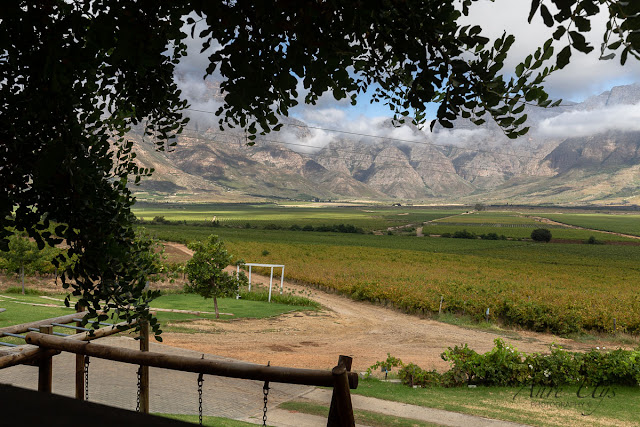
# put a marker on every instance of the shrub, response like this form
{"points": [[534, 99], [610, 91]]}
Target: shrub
{"points": [[592, 241], [159, 219], [414, 375], [276, 297], [504, 365], [391, 362], [490, 236], [541, 235], [464, 234]]}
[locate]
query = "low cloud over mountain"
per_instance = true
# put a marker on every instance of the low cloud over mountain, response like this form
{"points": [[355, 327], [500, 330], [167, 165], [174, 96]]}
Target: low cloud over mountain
{"points": [[569, 152]]}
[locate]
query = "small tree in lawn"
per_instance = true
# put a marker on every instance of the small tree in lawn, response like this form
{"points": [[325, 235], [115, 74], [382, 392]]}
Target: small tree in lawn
{"points": [[206, 274], [22, 252]]}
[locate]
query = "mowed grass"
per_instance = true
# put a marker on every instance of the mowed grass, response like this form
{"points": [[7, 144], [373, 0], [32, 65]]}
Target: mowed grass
{"points": [[361, 417], [28, 308], [206, 420], [562, 288], [606, 406], [622, 223], [368, 218], [18, 312]]}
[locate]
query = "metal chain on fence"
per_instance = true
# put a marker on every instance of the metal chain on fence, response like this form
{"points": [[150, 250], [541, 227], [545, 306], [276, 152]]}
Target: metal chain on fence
{"points": [[139, 387], [265, 392], [86, 378], [200, 382]]}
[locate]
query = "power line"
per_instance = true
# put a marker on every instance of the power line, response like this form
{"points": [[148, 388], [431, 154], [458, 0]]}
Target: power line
{"points": [[404, 159], [409, 141]]}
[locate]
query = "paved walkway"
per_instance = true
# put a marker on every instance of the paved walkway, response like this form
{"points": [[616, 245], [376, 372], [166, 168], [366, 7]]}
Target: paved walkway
{"points": [[115, 384]]}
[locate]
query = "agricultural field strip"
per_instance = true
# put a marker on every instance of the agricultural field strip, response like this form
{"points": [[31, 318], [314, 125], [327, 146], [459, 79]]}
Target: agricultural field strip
{"points": [[491, 224], [517, 232], [484, 222], [625, 224], [263, 239], [491, 218], [539, 286], [369, 218]]}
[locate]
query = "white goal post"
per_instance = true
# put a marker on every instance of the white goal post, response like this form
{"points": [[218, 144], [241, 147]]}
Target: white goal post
{"points": [[272, 266]]}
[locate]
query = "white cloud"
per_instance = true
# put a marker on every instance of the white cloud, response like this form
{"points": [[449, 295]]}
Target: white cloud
{"points": [[584, 123], [315, 141], [329, 116], [195, 63], [459, 137], [583, 77]]}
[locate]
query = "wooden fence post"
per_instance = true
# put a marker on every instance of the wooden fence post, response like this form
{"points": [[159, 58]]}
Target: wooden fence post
{"points": [[144, 370], [341, 410], [79, 364], [45, 365]]}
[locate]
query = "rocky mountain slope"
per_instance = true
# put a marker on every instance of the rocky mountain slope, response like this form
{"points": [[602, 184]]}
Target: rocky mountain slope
{"points": [[568, 157]]}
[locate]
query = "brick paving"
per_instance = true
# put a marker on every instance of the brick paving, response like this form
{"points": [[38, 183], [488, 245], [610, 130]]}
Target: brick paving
{"points": [[115, 384]]}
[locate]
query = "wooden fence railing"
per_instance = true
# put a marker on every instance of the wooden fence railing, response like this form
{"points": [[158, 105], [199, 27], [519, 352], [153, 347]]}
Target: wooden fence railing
{"points": [[340, 378], [16, 355]]}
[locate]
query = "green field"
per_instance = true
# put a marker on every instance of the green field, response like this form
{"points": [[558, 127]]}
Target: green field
{"points": [[239, 215], [621, 223], [492, 218], [521, 231], [561, 287], [558, 287]]}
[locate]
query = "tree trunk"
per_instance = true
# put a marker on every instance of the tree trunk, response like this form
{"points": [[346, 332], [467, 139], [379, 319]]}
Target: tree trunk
{"points": [[22, 276], [215, 305]]}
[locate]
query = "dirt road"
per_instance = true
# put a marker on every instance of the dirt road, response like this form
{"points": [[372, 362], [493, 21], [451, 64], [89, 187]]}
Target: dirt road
{"points": [[362, 330]]}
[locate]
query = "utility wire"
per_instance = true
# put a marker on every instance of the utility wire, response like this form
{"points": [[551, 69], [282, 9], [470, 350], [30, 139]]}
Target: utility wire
{"points": [[410, 141], [403, 159]]}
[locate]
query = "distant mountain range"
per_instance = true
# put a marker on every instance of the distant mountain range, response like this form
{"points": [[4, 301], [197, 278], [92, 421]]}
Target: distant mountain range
{"points": [[579, 153]]}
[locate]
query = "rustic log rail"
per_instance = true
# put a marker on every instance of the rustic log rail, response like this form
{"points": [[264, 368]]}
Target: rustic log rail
{"points": [[340, 414], [24, 327], [26, 353]]}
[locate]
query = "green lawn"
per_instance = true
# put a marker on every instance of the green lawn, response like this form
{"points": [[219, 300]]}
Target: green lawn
{"points": [[563, 407], [20, 313], [368, 418], [17, 312], [207, 421]]}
